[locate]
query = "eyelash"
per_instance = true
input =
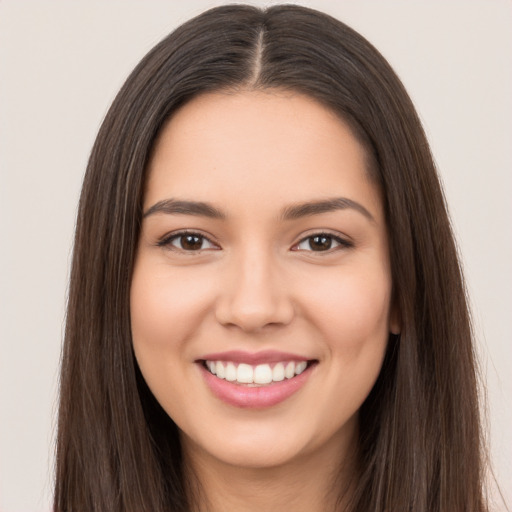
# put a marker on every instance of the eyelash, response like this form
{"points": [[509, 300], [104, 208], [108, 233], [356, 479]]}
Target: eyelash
{"points": [[167, 242], [342, 242]]}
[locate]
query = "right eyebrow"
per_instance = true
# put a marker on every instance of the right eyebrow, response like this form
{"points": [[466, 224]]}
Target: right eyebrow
{"points": [[172, 206]]}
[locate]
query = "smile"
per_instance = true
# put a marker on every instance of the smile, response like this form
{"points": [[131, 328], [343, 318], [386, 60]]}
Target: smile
{"points": [[256, 375], [255, 381]]}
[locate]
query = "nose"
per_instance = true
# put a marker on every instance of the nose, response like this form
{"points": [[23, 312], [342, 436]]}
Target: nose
{"points": [[255, 295]]}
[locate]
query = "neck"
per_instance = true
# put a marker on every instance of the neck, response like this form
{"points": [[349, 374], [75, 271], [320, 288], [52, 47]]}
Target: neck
{"points": [[319, 481]]}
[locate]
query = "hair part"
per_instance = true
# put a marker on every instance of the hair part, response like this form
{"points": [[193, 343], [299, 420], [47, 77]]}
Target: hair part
{"points": [[420, 445]]}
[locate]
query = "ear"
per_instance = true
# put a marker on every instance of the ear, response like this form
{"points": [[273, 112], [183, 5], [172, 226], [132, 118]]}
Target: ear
{"points": [[395, 319]]}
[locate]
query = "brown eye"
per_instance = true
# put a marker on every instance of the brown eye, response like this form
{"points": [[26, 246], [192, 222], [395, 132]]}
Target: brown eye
{"points": [[322, 242], [189, 242]]}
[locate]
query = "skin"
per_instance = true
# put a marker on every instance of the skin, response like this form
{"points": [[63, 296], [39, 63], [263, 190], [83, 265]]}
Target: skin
{"points": [[258, 285]]}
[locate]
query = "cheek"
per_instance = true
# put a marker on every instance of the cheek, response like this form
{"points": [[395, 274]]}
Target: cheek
{"points": [[353, 309], [166, 309], [352, 317], [163, 304], [351, 312]]}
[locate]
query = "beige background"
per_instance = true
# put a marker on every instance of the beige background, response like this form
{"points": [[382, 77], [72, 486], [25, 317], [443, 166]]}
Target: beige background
{"points": [[61, 64]]}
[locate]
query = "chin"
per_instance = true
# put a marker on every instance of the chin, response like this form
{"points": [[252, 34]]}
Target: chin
{"points": [[254, 445]]}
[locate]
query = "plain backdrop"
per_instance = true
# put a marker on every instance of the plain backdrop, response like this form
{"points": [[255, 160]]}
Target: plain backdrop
{"points": [[61, 63]]}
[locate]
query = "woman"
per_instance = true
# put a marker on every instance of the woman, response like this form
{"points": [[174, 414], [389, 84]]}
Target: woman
{"points": [[266, 308]]}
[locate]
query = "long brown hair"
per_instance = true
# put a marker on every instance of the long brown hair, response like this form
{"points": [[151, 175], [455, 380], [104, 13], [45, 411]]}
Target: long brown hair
{"points": [[420, 438]]}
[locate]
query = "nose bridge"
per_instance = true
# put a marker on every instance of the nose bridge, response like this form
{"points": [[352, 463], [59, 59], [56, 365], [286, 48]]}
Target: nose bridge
{"points": [[255, 295]]}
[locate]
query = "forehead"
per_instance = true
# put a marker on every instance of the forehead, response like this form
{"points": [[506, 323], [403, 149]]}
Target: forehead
{"points": [[258, 147]]}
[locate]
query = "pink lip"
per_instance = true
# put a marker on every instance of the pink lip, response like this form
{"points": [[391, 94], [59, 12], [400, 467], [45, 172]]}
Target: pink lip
{"points": [[254, 397], [265, 356]]}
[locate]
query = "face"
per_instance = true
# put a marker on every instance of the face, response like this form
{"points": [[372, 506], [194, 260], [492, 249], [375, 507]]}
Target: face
{"points": [[260, 300]]}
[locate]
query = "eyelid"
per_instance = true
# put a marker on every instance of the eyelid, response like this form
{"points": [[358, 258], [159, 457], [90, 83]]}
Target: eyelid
{"points": [[343, 241], [166, 240]]}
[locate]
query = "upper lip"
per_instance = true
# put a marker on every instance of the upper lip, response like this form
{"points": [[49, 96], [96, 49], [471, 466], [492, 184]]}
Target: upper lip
{"points": [[253, 358]]}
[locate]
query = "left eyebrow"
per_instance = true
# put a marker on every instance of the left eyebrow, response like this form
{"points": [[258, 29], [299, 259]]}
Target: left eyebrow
{"points": [[297, 211]]}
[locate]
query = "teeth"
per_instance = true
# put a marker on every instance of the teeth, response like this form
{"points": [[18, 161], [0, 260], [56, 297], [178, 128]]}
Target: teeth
{"points": [[300, 367], [289, 371], [219, 370], [260, 374], [231, 372], [278, 372], [244, 374]]}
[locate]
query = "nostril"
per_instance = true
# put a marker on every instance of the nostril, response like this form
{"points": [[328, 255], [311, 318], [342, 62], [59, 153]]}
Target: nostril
{"points": [[252, 309]]}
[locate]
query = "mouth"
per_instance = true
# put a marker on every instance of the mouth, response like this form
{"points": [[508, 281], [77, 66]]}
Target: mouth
{"points": [[256, 375], [255, 381]]}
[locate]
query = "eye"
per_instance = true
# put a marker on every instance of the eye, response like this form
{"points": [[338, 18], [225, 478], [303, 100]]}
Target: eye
{"points": [[187, 241], [322, 242]]}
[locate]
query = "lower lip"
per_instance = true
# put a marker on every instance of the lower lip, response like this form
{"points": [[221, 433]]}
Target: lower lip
{"points": [[258, 397]]}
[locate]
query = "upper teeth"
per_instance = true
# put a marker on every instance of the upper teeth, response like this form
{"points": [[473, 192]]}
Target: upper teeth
{"points": [[260, 374]]}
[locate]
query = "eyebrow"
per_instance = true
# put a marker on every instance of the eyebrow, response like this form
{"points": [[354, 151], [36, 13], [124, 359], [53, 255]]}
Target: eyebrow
{"points": [[324, 206], [294, 211], [174, 206]]}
